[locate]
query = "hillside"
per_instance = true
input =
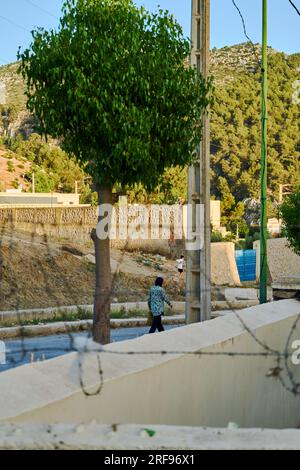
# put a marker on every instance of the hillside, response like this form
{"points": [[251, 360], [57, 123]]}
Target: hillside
{"points": [[41, 274], [228, 62], [12, 171], [13, 85], [235, 129]]}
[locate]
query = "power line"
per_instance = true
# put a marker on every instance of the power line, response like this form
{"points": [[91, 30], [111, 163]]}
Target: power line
{"points": [[246, 34], [280, 366], [17, 25], [294, 6], [30, 2]]}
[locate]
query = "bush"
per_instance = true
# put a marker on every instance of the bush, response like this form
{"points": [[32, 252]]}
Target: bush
{"points": [[10, 166], [230, 237], [15, 183], [216, 237], [290, 214], [252, 238], [241, 245]]}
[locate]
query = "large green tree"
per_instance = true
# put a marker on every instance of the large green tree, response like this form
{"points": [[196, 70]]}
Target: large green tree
{"points": [[290, 213], [111, 82]]}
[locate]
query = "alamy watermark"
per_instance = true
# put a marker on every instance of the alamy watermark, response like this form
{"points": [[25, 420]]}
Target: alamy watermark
{"points": [[154, 222], [2, 353], [296, 354], [2, 93]]}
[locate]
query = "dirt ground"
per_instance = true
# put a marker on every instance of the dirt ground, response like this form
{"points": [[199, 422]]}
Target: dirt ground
{"points": [[7, 177], [35, 273]]}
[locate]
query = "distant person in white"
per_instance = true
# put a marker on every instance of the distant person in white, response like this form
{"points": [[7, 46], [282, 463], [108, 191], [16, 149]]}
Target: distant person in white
{"points": [[180, 264]]}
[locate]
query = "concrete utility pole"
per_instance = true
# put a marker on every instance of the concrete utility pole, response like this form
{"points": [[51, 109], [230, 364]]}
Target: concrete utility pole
{"points": [[198, 281]]}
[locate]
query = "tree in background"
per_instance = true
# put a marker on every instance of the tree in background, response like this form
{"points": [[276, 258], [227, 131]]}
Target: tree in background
{"points": [[290, 214], [53, 169], [7, 115], [172, 189], [235, 132], [111, 82]]}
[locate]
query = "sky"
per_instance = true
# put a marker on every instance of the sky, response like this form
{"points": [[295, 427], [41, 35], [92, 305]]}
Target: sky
{"points": [[19, 17]]}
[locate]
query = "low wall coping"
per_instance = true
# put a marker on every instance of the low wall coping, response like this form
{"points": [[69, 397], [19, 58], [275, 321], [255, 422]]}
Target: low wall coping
{"points": [[37, 385], [131, 436]]}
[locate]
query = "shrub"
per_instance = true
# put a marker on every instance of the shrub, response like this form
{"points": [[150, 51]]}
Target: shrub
{"points": [[216, 237], [10, 166], [290, 214]]}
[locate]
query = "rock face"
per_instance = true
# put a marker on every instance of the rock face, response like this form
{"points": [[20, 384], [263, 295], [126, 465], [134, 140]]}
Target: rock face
{"points": [[238, 58]]}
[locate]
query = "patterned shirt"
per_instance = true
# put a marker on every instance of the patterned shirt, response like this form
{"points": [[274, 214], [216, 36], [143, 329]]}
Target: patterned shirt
{"points": [[157, 297]]}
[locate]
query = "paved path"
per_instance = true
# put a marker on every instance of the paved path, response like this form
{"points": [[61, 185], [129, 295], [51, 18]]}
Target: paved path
{"points": [[20, 352]]}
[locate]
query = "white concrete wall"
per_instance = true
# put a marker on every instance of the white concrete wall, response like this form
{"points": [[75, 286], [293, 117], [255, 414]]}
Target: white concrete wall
{"points": [[282, 260], [215, 214], [224, 269], [61, 198], [181, 389]]}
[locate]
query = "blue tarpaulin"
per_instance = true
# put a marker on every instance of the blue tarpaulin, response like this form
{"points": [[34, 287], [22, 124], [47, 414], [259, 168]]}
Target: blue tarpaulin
{"points": [[246, 264]]}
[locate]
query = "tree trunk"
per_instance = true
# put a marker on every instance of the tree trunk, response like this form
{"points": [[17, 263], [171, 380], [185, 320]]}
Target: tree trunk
{"points": [[101, 320]]}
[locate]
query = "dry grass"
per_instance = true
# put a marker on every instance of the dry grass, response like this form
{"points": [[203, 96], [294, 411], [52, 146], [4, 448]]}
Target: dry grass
{"points": [[38, 275]]}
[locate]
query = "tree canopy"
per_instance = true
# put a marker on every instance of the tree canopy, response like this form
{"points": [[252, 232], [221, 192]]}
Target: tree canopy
{"points": [[113, 84], [290, 213]]}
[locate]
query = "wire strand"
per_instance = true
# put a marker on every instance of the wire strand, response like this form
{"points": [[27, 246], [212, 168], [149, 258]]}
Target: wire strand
{"points": [[246, 34], [17, 25], [294, 6], [30, 2]]}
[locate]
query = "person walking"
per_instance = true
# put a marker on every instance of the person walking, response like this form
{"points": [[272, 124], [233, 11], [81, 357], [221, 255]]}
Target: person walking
{"points": [[156, 300], [180, 265]]}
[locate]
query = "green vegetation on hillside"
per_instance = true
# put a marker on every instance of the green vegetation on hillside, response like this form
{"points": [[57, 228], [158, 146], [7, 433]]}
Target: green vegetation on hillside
{"points": [[290, 213], [53, 170], [235, 134]]}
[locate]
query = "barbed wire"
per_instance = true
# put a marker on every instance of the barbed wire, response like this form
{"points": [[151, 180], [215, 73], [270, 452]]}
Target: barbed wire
{"points": [[281, 365], [281, 370], [51, 293], [258, 59]]}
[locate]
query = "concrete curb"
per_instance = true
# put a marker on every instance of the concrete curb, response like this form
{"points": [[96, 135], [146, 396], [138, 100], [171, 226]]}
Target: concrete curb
{"points": [[77, 326], [52, 312]]}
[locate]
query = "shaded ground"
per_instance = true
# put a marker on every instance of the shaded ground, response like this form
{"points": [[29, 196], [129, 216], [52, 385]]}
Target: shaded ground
{"points": [[36, 273], [20, 352]]}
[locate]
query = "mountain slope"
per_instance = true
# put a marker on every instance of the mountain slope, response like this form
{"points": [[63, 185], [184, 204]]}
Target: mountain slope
{"points": [[236, 131], [235, 126]]}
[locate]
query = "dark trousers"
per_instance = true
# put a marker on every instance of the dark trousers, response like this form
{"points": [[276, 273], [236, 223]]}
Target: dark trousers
{"points": [[156, 324]]}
